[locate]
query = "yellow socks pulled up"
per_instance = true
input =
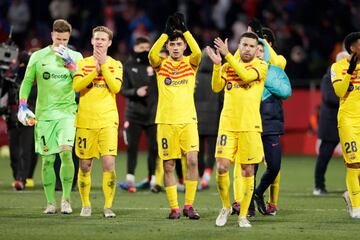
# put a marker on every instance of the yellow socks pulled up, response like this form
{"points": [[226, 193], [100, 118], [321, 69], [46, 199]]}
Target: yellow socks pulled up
{"points": [[247, 185], [274, 191], [171, 194], [84, 185], [353, 186], [190, 191], [223, 187], [109, 188]]}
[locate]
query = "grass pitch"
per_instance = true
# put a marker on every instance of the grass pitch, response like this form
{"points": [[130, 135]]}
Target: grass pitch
{"points": [[142, 215]]}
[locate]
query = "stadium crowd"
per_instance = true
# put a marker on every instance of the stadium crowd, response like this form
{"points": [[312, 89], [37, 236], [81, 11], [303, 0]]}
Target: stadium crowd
{"points": [[308, 35]]}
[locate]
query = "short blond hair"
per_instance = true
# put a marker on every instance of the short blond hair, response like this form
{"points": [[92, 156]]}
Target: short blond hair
{"points": [[61, 26], [103, 29]]}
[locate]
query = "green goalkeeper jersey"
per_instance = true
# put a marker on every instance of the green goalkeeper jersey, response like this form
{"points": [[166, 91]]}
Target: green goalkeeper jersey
{"points": [[55, 96]]}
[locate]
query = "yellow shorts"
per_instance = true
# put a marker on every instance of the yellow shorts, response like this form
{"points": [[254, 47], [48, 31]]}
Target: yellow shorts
{"points": [[93, 143], [349, 139], [175, 139], [241, 147]]}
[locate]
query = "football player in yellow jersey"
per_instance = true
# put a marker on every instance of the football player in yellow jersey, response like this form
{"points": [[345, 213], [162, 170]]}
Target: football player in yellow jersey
{"points": [[345, 77], [98, 79], [177, 132], [239, 136]]}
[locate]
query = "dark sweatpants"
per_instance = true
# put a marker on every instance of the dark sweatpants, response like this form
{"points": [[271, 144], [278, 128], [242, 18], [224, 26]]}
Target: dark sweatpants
{"points": [[133, 133], [325, 153]]}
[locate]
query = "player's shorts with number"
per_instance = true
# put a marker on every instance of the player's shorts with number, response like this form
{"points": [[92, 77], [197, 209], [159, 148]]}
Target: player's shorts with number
{"points": [[242, 147], [350, 139], [175, 139], [93, 143], [51, 134]]}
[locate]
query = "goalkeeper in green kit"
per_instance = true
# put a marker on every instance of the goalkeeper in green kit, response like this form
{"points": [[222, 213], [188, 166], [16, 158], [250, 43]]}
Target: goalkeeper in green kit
{"points": [[53, 69]]}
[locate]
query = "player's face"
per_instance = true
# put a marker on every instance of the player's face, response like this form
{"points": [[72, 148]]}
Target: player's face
{"points": [[142, 47], [260, 52], [176, 48], [60, 38], [101, 41], [247, 47]]}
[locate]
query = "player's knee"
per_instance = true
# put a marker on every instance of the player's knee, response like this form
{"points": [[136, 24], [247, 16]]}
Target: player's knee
{"points": [[48, 161], [169, 166], [192, 161], [247, 170], [85, 166], [222, 168]]}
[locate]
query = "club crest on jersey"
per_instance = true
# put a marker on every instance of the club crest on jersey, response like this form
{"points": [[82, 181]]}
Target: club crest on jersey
{"points": [[351, 87], [228, 86], [167, 81]]}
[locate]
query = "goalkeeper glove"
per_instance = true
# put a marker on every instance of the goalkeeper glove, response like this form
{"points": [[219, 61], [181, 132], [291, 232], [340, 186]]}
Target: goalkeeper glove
{"points": [[25, 115], [180, 20], [353, 63], [63, 52], [256, 27], [170, 25]]}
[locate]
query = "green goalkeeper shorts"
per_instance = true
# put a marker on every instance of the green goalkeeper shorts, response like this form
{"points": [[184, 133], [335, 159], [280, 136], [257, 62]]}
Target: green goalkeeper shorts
{"points": [[51, 134]]}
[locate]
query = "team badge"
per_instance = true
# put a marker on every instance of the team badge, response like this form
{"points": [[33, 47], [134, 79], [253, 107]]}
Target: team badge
{"points": [[228, 86], [45, 148]]}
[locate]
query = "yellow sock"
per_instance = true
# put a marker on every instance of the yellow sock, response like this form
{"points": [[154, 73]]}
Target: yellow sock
{"points": [[159, 172], [237, 183], [84, 185], [353, 186], [190, 191], [274, 190], [109, 188], [223, 187], [183, 166], [171, 194], [247, 184]]}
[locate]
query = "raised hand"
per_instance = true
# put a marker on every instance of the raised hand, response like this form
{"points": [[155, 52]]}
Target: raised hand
{"points": [[63, 52], [256, 27], [100, 56], [221, 45], [214, 56], [180, 20], [170, 25], [353, 63]]}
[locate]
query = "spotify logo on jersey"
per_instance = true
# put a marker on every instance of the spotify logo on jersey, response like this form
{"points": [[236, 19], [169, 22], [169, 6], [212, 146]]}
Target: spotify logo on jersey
{"points": [[46, 75], [167, 81]]}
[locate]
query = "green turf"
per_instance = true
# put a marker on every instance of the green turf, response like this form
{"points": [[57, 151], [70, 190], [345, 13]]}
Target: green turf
{"points": [[142, 215]]}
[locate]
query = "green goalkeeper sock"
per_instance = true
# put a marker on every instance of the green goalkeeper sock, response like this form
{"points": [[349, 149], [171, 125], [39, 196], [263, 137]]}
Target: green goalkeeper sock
{"points": [[48, 177], [66, 173]]}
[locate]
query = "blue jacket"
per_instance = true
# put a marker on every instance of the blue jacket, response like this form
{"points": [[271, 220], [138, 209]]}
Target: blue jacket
{"points": [[277, 87]]}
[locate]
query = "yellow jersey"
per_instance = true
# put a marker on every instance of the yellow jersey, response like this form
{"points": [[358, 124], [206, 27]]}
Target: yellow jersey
{"points": [[244, 85], [97, 104], [347, 87], [176, 83]]}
